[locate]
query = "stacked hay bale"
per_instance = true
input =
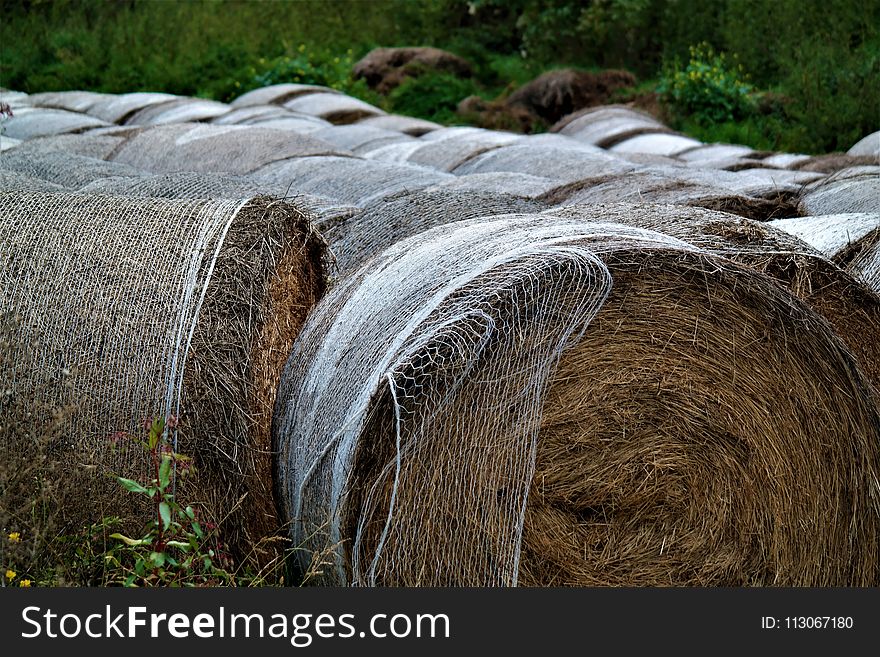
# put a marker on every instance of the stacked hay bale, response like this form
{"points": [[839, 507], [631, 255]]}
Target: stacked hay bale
{"points": [[516, 400], [160, 307]]}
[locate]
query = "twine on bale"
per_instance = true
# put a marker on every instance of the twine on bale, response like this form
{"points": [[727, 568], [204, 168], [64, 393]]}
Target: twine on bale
{"points": [[543, 401], [169, 307]]}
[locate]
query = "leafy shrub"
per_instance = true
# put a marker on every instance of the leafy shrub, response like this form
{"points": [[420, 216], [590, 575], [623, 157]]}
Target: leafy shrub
{"points": [[707, 89], [431, 95]]}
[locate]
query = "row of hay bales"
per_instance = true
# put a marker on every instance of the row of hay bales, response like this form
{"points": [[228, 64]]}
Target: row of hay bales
{"points": [[606, 355]]}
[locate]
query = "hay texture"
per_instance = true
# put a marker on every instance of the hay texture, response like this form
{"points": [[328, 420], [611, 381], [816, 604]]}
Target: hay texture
{"points": [[169, 307], [851, 240], [277, 94], [524, 401], [834, 293]]}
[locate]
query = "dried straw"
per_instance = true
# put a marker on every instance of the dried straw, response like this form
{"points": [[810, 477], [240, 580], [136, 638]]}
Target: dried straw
{"points": [[543, 401]]}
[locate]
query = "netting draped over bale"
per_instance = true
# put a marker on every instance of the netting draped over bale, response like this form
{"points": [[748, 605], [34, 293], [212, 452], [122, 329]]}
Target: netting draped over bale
{"points": [[835, 294], [348, 179], [72, 101], [851, 240], [324, 211], [565, 165], [90, 144], [216, 149], [278, 93], [605, 126], [171, 307], [843, 193], [525, 401], [178, 111], [65, 169], [333, 107], [28, 123], [408, 125], [657, 144], [117, 108], [869, 145], [391, 219], [13, 181]]}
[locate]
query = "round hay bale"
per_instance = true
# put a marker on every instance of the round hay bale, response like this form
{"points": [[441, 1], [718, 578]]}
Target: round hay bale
{"points": [[833, 162], [656, 144], [850, 240], [188, 185], [385, 68], [714, 152], [394, 152], [65, 169], [210, 148], [13, 181], [338, 109], [523, 185], [277, 94], [584, 117], [299, 123], [565, 165], [181, 110], [31, 122], [557, 93], [89, 144], [393, 218], [834, 293], [408, 125], [117, 108], [347, 180], [355, 136], [450, 153], [170, 307], [869, 145], [842, 193], [72, 101], [785, 160], [254, 113], [607, 126], [679, 186], [552, 402]]}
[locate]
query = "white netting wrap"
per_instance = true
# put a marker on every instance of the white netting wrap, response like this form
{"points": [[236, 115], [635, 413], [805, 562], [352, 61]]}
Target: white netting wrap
{"points": [[547, 400], [513, 294], [160, 307]]}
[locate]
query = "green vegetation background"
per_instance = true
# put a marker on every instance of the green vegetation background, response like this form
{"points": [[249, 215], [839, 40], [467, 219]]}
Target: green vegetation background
{"points": [[817, 62]]}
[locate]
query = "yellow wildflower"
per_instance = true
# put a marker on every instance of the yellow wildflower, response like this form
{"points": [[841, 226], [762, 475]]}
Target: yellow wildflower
{"points": [[25, 583], [15, 537], [10, 574]]}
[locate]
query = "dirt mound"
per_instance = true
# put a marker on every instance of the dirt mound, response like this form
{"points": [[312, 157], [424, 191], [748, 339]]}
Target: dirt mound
{"points": [[554, 94], [386, 68]]}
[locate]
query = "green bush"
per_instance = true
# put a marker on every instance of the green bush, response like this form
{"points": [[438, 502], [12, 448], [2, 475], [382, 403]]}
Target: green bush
{"points": [[708, 89], [431, 95]]}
